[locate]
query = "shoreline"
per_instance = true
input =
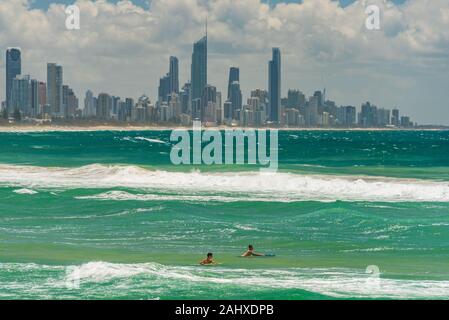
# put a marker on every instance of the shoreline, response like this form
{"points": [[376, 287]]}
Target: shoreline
{"points": [[79, 128]]}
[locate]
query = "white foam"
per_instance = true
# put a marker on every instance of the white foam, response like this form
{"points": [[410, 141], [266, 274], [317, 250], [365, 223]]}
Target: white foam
{"points": [[224, 186], [153, 278], [25, 191], [131, 139], [331, 282], [126, 196], [151, 140]]}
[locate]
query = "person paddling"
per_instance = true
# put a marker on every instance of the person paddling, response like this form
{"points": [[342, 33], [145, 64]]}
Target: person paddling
{"points": [[251, 253], [209, 259]]}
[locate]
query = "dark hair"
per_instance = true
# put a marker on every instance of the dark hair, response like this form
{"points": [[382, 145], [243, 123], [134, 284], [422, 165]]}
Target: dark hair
{"points": [[210, 254], [250, 246]]}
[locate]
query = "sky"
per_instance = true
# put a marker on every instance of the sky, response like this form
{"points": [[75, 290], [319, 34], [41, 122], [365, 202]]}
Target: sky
{"points": [[123, 48], [44, 4]]}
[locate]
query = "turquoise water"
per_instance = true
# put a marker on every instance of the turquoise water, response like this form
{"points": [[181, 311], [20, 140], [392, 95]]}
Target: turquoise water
{"points": [[105, 215]]}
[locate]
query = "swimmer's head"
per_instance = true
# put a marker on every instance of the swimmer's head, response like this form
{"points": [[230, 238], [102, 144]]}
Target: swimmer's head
{"points": [[210, 255], [250, 247]]}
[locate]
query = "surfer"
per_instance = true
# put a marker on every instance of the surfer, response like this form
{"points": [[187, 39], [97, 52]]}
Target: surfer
{"points": [[250, 252], [209, 259]]}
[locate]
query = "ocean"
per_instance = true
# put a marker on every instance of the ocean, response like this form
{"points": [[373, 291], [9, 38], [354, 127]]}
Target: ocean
{"points": [[105, 215]]}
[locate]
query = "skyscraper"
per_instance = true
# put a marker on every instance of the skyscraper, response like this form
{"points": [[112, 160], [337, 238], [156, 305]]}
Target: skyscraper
{"points": [[115, 102], [164, 88], [235, 98], [174, 75], [311, 112], [208, 103], [320, 100], [42, 96], [174, 105], [346, 116], [227, 111], [13, 69], [129, 102], [262, 95], [54, 89], [262, 114], [296, 99], [184, 97], [219, 108], [90, 109], [104, 106], [20, 94], [169, 83], [395, 118], [234, 75], [65, 95], [368, 115], [199, 68], [274, 86], [70, 102], [383, 117], [34, 98]]}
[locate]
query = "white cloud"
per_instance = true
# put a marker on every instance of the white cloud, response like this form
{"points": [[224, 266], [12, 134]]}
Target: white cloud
{"points": [[123, 49]]}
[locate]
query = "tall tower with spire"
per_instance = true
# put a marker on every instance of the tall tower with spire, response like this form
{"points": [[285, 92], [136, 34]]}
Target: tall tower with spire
{"points": [[199, 66]]}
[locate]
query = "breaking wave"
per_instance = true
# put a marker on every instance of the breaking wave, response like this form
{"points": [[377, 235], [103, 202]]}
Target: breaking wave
{"points": [[154, 278], [225, 186], [25, 191]]}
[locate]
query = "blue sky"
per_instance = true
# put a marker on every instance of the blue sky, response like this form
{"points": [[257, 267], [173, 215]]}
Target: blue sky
{"points": [[43, 4]]}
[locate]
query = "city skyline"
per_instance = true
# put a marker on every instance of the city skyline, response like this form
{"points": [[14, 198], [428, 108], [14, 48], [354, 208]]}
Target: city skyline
{"points": [[351, 85], [54, 100]]}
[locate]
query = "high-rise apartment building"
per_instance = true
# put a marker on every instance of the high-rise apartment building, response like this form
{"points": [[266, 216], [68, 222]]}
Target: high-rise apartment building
{"points": [[234, 75], [174, 75], [13, 69], [199, 68], [274, 86], [54, 89]]}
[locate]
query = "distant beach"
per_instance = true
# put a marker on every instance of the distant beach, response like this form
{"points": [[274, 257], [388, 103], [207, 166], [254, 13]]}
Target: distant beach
{"points": [[76, 128]]}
